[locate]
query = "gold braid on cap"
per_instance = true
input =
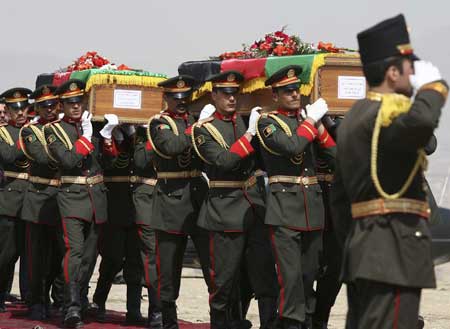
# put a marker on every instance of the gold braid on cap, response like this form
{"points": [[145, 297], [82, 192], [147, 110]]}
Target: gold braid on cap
{"points": [[172, 125], [392, 105]]}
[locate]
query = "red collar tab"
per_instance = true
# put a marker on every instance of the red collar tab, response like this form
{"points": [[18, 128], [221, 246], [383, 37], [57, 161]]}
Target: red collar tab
{"points": [[70, 120], [222, 117], [288, 113], [174, 115]]}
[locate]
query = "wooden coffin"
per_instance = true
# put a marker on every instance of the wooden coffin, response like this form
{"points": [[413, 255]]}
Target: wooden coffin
{"points": [[132, 104], [340, 82]]}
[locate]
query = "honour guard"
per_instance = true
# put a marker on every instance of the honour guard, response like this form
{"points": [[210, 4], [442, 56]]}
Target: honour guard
{"points": [[119, 243], [179, 193], [379, 198], [14, 184], [295, 210], [40, 210], [233, 202], [82, 196]]}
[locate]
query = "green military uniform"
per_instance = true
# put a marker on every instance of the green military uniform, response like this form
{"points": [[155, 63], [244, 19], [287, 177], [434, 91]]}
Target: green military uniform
{"points": [[119, 241], [143, 201], [387, 255], [40, 210], [13, 186], [295, 209], [233, 203], [81, 198], [178, 196], [328, 283]]}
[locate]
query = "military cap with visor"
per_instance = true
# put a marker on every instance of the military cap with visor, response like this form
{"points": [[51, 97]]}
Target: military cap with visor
{"points": [[16, 98], [179, 87], [44, 96], [389, 38], [71, 91], [228, 81], [286, 78]]}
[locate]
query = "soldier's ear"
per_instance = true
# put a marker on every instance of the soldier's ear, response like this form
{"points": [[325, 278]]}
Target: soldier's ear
{"points": [[392, 74], [275, 95]]}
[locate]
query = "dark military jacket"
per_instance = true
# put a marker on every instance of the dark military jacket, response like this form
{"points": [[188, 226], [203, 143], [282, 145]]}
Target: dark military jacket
{"points": [[227, 209], [118, 162], [176, 202], [393, 248], [143, 162], [39, 205], [13, 159], [296, 206], [82, 201]]}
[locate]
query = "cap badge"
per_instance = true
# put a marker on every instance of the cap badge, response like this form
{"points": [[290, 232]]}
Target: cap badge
{"points": [[291, 73], [73, 86], [181, 84], [17, 94], [231, 77], [45, 91]]}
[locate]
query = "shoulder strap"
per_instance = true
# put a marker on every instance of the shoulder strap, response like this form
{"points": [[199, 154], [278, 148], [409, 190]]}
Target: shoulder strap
{"points": [[216, 135], [194, 145]]}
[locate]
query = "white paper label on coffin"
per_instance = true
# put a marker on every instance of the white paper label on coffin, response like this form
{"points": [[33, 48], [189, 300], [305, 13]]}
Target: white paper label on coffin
{"points": [[127, 99], [351, 87]]}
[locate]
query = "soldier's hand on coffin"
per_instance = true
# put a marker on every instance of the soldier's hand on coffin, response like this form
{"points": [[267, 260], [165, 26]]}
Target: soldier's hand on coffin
{"points": [[86, 125], [317, 110], [128, 129], [424, 72], [112, 122], [253, 120], [207, 111]]}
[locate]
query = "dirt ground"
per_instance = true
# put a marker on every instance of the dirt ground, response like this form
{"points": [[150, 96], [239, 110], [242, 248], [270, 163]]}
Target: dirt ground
{"points": [[193, 300]]}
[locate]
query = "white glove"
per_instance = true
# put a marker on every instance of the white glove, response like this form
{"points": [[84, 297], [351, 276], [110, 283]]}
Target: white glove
{"points": [[86, 125], [60, 115], [424, 72], [317, 110], [113, 121], [35, 119], [207, 111], [253, 120]]}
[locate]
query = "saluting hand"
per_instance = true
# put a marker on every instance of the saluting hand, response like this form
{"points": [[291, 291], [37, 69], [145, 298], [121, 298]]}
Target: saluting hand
{"points": [[424, 72]]}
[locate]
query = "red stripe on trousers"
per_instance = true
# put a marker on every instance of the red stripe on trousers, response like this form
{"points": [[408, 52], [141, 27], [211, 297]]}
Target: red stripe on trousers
{"points": [[66, 256], [146, 261], [212, 272], [396, 308], [280, 277]]}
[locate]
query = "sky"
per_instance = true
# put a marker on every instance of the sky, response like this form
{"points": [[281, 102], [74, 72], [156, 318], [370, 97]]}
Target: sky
{"points": [[42, 36]]}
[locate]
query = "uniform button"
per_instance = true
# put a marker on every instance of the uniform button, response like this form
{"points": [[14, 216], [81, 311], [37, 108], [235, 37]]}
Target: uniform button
{"points": [[131, 185], [418, 234], [9, 189], [283, 190], [131, 171], [306, 169], [67, 190], [195, 189], [169, 194], [306, 186], [90, 185], [428, 210], [88, 170], [220, 196], [38, 191]]}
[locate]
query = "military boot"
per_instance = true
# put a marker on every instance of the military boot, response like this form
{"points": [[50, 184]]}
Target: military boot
{"points": [[169, 315], [218, 319], [134, 315], [98, 308], [72, 317], [2, 302]]}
